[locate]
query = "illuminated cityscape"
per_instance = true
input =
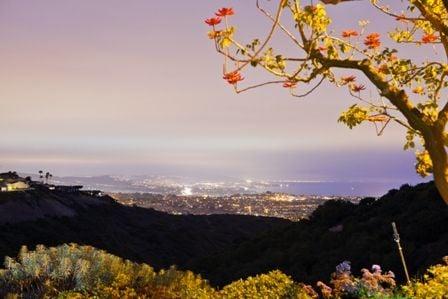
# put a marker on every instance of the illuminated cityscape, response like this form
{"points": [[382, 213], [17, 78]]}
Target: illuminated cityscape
{"points": [[268, 204]]}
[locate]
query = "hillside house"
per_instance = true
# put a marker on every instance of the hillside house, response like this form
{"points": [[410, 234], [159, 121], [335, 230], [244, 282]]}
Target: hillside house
{"points": [[14, 186], [10, 181]]}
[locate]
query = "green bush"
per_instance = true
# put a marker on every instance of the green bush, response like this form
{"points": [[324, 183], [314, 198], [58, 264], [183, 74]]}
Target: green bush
{"points": [[275, 284], [72, 271]]}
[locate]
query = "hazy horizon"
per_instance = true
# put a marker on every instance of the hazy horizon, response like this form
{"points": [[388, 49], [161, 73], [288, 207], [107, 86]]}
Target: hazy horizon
{"points": [[384, 166]]}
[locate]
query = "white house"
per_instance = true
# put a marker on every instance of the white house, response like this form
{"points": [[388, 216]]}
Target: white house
{"points": [[12, 184], [16, 186]]}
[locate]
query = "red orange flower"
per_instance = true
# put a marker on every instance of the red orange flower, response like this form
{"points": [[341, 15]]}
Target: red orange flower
{"points": [[348, 79], [349, 33], [233, 77], [372, 41], [358, 88], [225, 11], [429, 38], [213, 21], [289, 84]]}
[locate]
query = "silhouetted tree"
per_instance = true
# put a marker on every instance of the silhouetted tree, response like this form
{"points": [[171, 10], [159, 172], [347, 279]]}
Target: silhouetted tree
{"points": [[47, 177]]}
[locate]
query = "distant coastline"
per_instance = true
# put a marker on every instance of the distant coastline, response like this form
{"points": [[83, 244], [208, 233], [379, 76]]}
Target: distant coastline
{"points": [[229, 186]]}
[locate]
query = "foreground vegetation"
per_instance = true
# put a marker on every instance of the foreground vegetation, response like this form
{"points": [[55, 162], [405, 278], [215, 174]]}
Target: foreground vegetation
{"points": [[73, 271]]}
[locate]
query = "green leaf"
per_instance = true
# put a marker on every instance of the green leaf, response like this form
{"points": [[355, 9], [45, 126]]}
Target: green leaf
{"points": [[354, 116]]}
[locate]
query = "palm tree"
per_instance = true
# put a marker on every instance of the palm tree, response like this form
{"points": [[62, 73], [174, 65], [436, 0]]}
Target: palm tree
{"points": [[48, 176]]}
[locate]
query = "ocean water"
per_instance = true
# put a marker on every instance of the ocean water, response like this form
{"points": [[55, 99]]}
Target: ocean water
{"points": [[335, 188]]}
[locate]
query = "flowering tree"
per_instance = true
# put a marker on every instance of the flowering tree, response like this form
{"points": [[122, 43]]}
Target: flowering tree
{"points": [[409, 92]]}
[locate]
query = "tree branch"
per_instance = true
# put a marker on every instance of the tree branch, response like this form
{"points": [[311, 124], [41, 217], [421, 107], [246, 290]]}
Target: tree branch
{"points": [[432, 18], [442, 118], [396, 96], [396, 16], [286, 31], [309, 91], [271, 33], [445, 3], [258, 85]]}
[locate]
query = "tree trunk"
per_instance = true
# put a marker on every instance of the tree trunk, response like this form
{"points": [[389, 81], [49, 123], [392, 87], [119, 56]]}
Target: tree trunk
{"points": [[440, 172], [436, 148]]}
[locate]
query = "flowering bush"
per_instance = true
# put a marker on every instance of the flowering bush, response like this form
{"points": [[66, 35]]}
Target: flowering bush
{"points": [[275, 284], [372, 283], [434, 284]]}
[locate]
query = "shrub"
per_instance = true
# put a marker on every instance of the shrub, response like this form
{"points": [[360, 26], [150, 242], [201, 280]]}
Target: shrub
{"points": [[434, 284], [275, 284], [372, 284], [72, 271], [82, 272]]}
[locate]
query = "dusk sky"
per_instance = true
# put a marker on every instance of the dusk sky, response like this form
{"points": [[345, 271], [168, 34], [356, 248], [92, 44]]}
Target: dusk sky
{"points": [[134, 87]]}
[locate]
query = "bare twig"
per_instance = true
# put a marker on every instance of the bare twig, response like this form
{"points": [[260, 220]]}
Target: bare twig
{"points": [[396, 16], [286, 31], [269, 36], [310, 91], [259, 85]]}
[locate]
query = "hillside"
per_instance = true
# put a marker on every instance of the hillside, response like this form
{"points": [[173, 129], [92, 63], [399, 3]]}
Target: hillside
{"points": [[338, 231], [16, 207], [144, 235]]}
